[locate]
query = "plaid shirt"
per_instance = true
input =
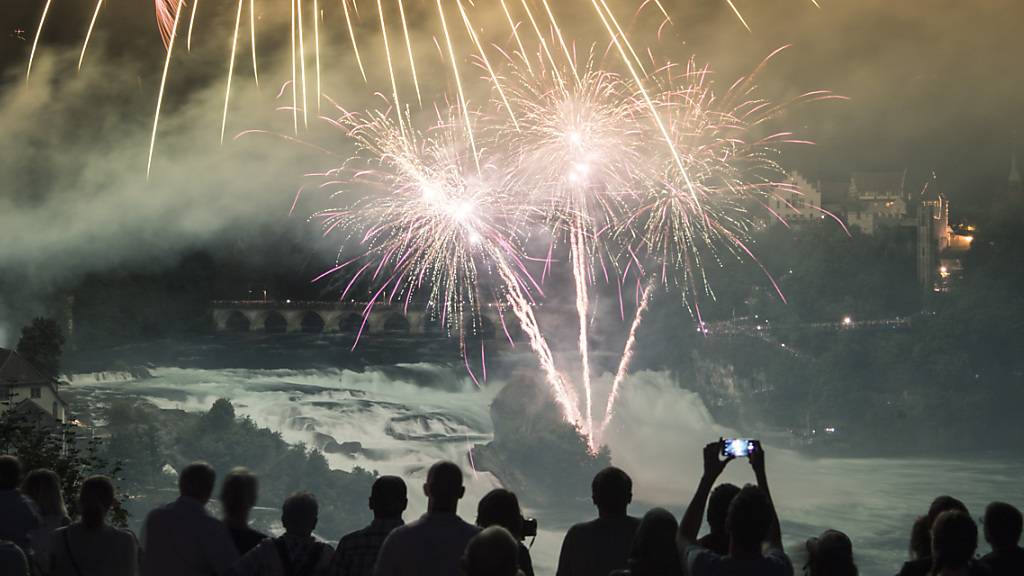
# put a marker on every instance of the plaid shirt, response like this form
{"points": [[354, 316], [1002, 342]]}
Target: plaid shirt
{"points": [[357, 552]]}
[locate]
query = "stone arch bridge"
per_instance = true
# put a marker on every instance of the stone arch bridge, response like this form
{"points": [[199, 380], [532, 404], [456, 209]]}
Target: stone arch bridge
{"points": [[340, 317]]}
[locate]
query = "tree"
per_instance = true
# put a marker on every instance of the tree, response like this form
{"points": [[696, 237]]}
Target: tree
{"points": [[41, 344]]}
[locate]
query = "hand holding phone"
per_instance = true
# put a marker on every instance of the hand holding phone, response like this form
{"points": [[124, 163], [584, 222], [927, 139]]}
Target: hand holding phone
{"points": [[739, 447]]}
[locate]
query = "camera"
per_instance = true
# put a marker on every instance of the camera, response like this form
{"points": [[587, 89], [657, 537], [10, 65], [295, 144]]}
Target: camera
{"points": [[529, 527], [739, 447]]}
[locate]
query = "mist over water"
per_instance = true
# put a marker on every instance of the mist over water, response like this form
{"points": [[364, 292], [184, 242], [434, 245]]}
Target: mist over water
{"points": [[407, 416]]}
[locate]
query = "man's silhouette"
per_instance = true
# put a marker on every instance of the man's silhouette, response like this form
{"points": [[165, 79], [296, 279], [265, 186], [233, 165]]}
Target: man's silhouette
{"points": [[434, 544], [755, 538], [717, 540], [603, 544], [1003, 523], [295, 553], [19, 516], [181, 538], [357, 551], [238, 496], [492, 552], [921, 536]]}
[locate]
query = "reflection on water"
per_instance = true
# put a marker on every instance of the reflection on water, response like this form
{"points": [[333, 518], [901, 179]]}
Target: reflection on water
{"points": [[399, 420]]}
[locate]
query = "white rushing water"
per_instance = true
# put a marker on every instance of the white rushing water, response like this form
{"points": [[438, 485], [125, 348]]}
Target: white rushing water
{"points": [[659, 429]]}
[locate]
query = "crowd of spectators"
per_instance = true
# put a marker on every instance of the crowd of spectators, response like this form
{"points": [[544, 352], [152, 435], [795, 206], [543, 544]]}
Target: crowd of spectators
{"points": [[181, 538]]}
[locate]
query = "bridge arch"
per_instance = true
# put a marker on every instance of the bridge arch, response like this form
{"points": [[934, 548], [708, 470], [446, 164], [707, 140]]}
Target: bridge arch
{"points": [[350, 323], [313, 323], [275, 323], [237, 322], [396, 323]]}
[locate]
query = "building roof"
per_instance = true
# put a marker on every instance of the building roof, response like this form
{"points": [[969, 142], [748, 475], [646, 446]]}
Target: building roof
{"points": [[879, 182], [834, 191], [16, 371]]}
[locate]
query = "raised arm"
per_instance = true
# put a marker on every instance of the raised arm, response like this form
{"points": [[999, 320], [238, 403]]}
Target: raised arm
{"points": [[774, 537], [713, 467]]}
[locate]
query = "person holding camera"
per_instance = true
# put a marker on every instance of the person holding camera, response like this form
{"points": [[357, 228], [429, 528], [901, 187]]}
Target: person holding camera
{"points": [[500, 507], [755, 537]]}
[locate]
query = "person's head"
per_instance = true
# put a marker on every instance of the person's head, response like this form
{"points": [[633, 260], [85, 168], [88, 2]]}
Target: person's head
{"points": [[654, 545], [954, 540], [95, 500], [749, 518], [500, 507], [1003, 523], [43, 487], [196, 481], [10, 472], [942, 504], [238, 494], [921, 538], [299, 514], [492, 552], [612, 491], [718, 505], [830, 554], [443, 487], [388, 497]]}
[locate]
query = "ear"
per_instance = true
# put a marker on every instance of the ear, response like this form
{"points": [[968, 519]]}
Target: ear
{"points": [[426, 490], [629, 497], [405, 504]]}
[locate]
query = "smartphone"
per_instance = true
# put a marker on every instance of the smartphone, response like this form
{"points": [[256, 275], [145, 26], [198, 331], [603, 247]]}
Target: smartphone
{"points": [[529, 527], [739, 447]]}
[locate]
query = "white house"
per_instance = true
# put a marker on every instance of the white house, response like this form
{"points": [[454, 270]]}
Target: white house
{"points": [[23, 387]]}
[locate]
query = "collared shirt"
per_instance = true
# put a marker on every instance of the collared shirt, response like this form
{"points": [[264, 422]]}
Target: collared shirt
{"points": [[306, 556], [182, 539], [597, 547], [357, 551], [700, 561], [430, 546], [76, 550], [21, 517]]}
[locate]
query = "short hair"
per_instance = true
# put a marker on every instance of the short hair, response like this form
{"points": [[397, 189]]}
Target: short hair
{"points": [[612, 488], [718, 505], [831, 554], [749, 517], [97, 493], [942, 504], [444, 479], [299, 513], [500, 507], [954, 539], [10, 472], [492, 552], [1003, 524], [197, 480], [388, 495], [654, 545], [239, 491]]}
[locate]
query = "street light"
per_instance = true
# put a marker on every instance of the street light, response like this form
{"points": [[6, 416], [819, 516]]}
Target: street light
{"points": [[847, 321]]}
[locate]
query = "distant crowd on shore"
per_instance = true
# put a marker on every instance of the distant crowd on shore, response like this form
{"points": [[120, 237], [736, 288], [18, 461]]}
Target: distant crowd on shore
{"points": [[181, 538]]}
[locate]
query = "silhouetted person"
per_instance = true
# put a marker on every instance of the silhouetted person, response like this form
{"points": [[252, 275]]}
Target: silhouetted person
{"points": [[19, 516], [434, 544], [920, 563], [830, 554], [717, 539], [43, 487], [238, 496], [357, 552], [181, 538], [954, 540], [1003, 525], [654, 550], [492, 552], [12, 560], [603, 544], [755, 537], [297, 552], [91, 546], [500, 507]]}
